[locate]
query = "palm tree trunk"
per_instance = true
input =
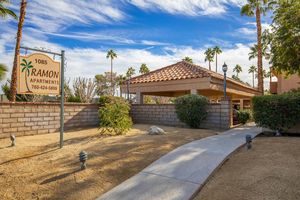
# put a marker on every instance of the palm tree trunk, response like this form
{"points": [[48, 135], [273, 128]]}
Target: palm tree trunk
{"points": [[26, 76], [111, 78], [209, 66], [259, 53], [216, 62], [13, 85], [252, 79]]}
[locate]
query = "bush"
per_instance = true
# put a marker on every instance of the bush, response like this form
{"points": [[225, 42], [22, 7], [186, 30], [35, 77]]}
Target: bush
{"points": [[191, 109], [73, 98], [277, 112], [114, 115], [243, 116]]}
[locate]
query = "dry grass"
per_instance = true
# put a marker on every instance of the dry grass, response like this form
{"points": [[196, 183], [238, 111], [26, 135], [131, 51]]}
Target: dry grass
{"points": [[37, 169], [269, 171]]}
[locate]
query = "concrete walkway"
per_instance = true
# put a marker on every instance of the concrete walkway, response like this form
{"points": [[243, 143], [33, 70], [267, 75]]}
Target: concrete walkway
{"points": [[179, 174]]}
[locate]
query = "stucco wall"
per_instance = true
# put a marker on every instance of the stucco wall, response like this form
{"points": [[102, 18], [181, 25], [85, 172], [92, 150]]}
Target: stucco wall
{"points": [[285, 85], [40, 118], [218, 115]]}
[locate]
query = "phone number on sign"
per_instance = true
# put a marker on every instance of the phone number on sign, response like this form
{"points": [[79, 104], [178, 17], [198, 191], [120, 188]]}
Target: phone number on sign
{"points": [[44, 87]]}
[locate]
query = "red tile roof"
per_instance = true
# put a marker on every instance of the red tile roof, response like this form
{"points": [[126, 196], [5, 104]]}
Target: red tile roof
{"points": [[179, 71]]}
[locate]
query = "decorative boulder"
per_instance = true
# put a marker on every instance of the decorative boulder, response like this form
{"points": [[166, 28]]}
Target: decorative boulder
{"points": [[154, 130]]}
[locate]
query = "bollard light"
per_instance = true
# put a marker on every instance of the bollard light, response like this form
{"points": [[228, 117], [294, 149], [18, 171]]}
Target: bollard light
{"points": [[83, 156], [13, 140], [248, 141]]}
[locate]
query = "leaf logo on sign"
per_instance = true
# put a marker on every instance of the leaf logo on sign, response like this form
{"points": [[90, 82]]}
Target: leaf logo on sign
{"points": [[27, 66]]}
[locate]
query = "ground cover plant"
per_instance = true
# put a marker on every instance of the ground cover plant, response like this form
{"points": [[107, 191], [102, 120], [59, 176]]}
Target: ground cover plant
{"points": [[114, 115], [191, 109], [277, 112]]}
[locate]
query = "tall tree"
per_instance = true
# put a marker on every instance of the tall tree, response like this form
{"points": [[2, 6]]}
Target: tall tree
{"points": [[237, 69], [217, 51], [209, 56], [112, 55], [120, 81], [252, 70], [144, 69], [3, 70], [130, 72], [188, 59], [4, 11], [13, 85], [285, 41], [257, 7]]}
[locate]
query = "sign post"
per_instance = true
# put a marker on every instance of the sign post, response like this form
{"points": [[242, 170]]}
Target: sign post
{"points": [[62, 100], [38, 74]]}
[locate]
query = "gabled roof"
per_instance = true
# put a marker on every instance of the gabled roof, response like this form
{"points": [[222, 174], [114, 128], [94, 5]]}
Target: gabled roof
{"points": [[179, 71]]}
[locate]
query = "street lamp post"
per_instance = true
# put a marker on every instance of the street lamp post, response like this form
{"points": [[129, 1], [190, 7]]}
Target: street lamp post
{"points": [[224, 68]]}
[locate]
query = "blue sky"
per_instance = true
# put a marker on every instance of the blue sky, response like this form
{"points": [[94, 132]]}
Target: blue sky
{"points": [[155, 32]]}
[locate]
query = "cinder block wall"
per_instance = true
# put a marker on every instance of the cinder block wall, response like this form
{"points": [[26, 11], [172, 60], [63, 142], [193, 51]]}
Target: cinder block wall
{"points": [[40, 118], [219, 115]]}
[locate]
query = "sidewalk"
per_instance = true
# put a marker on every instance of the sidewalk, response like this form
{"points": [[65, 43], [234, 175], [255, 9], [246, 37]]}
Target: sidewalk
{"points": [[181, 173]]}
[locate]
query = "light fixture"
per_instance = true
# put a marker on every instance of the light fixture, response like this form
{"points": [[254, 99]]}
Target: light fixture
{"points": [[248, 141], [224, 68], [83, 156], [13, 140]]}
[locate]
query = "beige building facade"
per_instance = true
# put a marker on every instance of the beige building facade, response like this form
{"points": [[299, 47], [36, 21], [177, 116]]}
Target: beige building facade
{"points": [[284, 84], [185, 78]]}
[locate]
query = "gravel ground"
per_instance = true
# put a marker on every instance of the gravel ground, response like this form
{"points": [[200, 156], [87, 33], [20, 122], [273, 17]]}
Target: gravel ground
{"points": [[37, 169], [269, 171]]}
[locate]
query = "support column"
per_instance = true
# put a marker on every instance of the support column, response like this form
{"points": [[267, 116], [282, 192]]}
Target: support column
{"points": [[241, 104], [226, 113], [139, 98], [193, 91]]}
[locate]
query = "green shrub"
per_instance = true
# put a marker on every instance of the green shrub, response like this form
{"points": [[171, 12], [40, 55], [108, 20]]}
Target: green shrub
{"points": [[243, 116], [73, 98], [277, 112], [114, 115], [191, 109]]}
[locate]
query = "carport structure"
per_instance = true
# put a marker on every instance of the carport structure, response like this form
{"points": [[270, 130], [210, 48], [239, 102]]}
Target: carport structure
{"points": [[185, 78]]}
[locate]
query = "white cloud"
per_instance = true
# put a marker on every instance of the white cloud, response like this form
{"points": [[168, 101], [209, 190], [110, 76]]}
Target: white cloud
{"points": [[187, 7], [55, 15]]}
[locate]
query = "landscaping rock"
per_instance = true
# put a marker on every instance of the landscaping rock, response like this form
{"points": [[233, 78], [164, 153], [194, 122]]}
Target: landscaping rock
{"points": [[154, 130]]}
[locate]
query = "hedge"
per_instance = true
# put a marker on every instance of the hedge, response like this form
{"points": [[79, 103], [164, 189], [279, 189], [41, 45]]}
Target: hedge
{"points": [[114, 115], [243, 116], [277, 112], [191, 109]]}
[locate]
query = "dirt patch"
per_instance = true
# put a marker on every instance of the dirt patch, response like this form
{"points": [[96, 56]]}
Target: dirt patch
{"points": [[37, 169], [269, 171]]}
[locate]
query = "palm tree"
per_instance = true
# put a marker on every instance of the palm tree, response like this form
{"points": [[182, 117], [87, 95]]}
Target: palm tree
{"points": [[144, 69], [217, 51], [120, 80], [188, 59], [111, 54], [5, 11], [130, 72], [252, 70], [26, 68], [209, 56], [237, 69], [3, 70], [257, 7], [253, 52], [13, 85]]}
